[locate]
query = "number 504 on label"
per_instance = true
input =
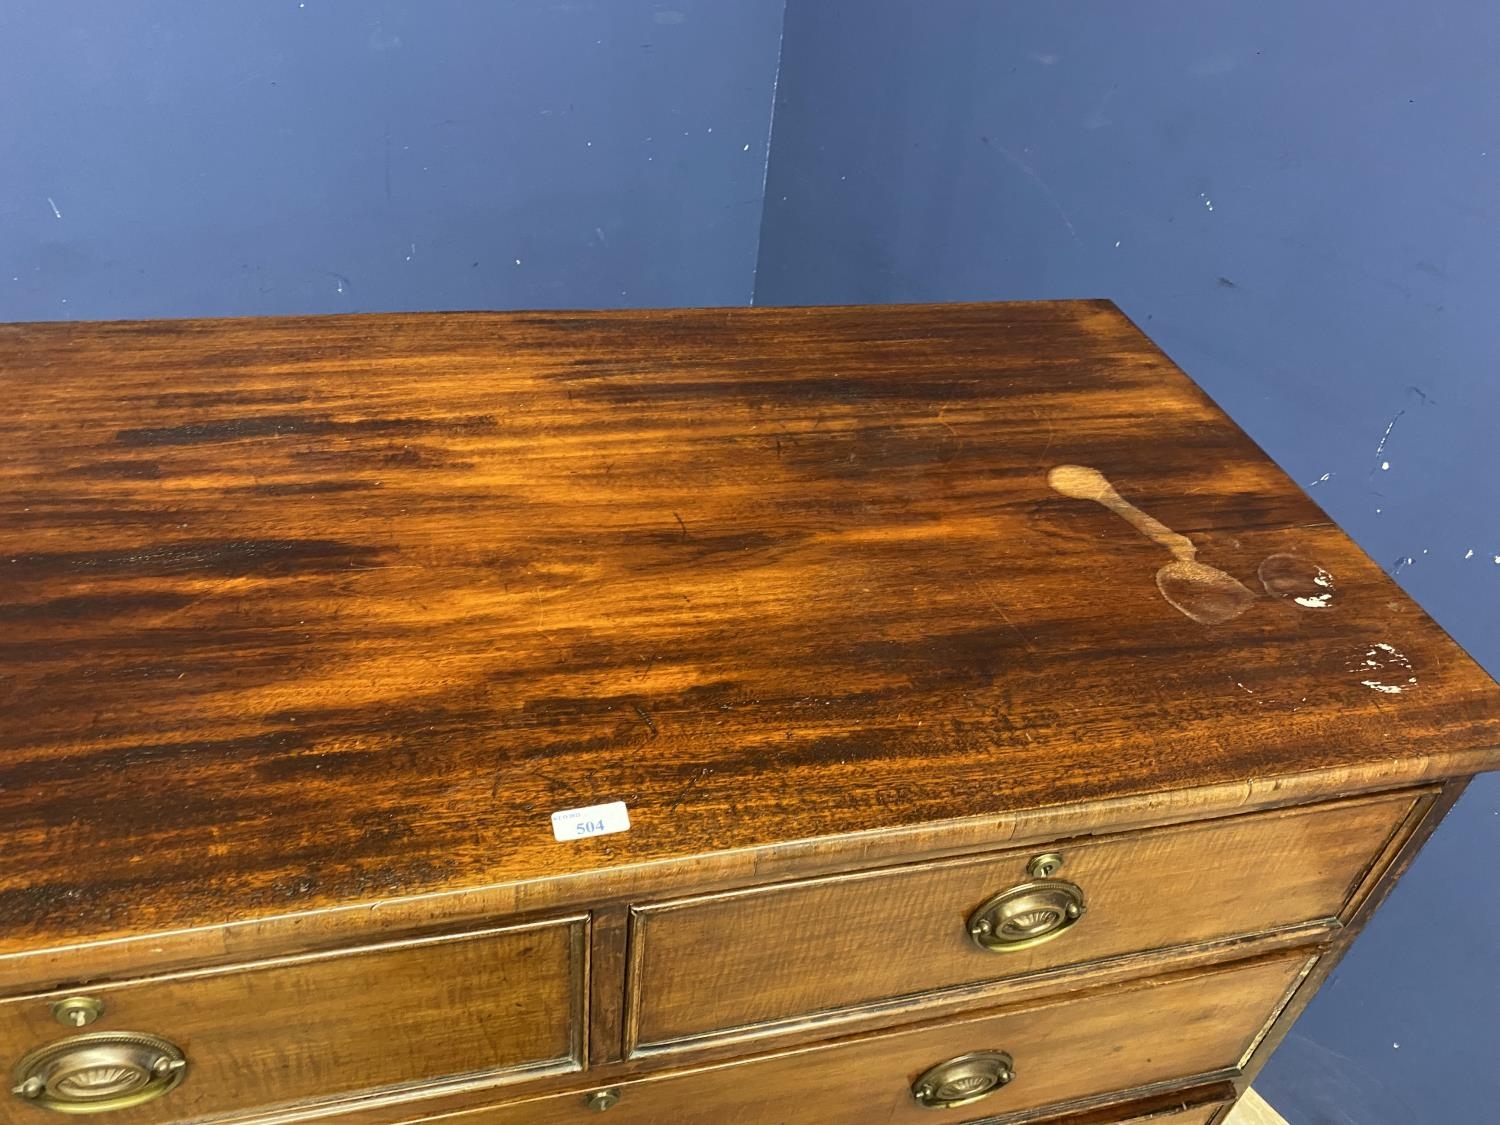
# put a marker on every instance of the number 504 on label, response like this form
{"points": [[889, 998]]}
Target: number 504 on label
{"points": [[595, 820]]}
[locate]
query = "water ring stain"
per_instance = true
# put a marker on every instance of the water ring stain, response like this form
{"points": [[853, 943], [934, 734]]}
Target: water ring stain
{"points": [[1298, 578]]}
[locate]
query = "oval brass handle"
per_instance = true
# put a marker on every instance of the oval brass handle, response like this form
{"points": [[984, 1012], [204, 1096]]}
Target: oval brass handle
{"points": [[963, 1080], [99, 1072], [1026, 915]]}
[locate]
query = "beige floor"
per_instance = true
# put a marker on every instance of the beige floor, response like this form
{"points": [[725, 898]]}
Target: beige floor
{"points": [[1253, 1110]]}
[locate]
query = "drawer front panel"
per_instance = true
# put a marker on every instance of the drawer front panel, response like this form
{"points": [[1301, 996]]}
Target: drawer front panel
{"points": [[330, 1025], [1066, 1051], [744, 958]]}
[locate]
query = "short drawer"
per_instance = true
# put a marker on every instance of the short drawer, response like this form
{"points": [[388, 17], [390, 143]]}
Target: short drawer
{"points": [[1066, 1052], [490, 1005], [756, 957]]}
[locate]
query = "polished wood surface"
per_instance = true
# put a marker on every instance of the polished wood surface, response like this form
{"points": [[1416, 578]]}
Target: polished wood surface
{"points": [[779, 952], [302, 614], [490, 1007], [1396, 861], [1067, 1051]]}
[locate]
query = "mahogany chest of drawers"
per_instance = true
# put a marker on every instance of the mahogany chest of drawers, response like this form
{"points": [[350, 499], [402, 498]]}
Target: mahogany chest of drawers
{"points": [[911, 714]]}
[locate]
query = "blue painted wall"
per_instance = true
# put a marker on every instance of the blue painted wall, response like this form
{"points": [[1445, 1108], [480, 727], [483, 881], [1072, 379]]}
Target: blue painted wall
{"points": [[169, 158], [1299, 201]]}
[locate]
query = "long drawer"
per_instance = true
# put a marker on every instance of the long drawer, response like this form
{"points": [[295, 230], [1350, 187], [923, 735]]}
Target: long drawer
{"points": [[755, 957], [486, 1005], [1058, 1053]]}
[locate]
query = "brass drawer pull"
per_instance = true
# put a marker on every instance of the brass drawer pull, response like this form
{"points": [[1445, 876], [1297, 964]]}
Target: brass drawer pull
{"points": [[99, 1072], [1026, 915], [963, 1080]]}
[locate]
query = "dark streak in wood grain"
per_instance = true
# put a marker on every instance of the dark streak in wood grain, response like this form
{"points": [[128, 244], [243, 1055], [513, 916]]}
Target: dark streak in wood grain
{"points": [[294, 425], [234, 558], [115, 470]]}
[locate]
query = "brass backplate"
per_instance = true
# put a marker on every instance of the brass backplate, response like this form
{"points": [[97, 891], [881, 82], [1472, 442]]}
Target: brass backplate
{"points": [[1026, 915], [963, 1080], [99, 1072]]}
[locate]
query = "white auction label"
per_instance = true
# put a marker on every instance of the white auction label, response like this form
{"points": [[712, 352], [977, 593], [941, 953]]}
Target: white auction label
{"points": [[596, 820]]}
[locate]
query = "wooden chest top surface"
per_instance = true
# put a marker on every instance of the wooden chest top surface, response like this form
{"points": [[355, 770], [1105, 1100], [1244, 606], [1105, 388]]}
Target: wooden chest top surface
{"points": [[305, 612]]}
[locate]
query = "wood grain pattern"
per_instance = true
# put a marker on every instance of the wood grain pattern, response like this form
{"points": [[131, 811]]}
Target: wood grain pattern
{"points": [[1065, 1052], [961, 1001], [301, 614], [786, 951], [608, 934], [1403, 851], [489, 1007]]}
